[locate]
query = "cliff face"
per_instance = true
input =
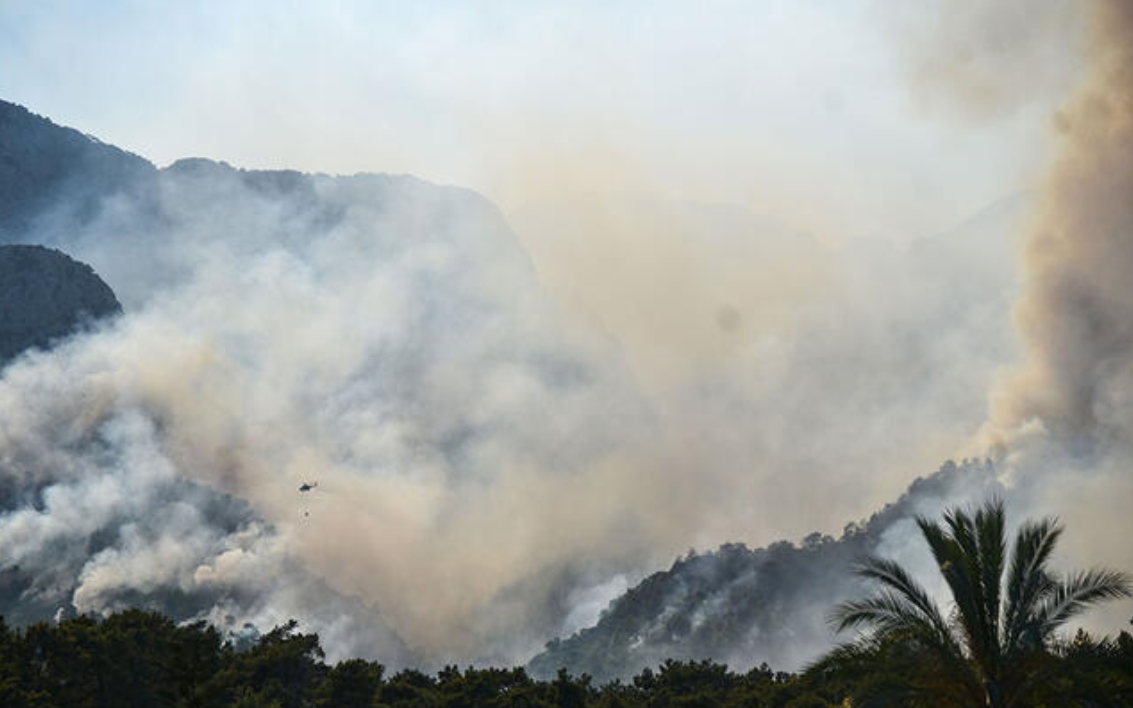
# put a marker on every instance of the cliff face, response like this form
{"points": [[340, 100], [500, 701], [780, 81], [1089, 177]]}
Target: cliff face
{"points": [[46, 295]]}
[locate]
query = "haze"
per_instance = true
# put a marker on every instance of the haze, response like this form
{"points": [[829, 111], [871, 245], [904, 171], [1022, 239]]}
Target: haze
{"points": [[782, 239]]}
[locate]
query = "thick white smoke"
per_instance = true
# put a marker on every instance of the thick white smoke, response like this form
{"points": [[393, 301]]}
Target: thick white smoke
{"points": [[398, 351], [486, 462]]}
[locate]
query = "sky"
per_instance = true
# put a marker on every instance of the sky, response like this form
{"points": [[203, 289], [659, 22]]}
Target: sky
{"points": [[798, 246], [772, 104]]}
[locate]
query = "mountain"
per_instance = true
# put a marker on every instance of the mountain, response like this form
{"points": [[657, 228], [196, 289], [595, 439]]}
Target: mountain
{"points": [[64, 189], [743, 606], [375, 332], [46, 295], [45, 167]]}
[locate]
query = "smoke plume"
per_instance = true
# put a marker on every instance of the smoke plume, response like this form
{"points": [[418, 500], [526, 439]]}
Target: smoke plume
{"points": [[1063, 419], [507, 430], [1076, 315], [360, 333]]}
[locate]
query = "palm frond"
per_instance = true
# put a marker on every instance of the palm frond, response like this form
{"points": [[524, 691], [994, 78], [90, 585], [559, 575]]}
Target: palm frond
{"points": [[1028, 581], [991, 549], [890, 574], [1076, 594], [954, 549], [849, 659], [885, 612]]}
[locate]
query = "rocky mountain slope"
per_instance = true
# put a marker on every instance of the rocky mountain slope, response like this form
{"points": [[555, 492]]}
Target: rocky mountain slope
{"points": [[49, 171], [46, 295], [743, 606]]}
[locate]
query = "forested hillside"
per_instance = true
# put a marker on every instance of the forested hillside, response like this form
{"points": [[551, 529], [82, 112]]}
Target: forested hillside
{"points": [[46, 296], [736, 603]]}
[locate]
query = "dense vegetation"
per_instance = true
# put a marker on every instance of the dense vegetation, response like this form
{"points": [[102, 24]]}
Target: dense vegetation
{"points": [[141, 659], [46, 296], [997, 647], [768, 604]]}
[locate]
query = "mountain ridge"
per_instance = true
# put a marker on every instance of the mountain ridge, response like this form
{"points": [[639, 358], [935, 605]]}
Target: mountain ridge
{"points": [[743, 606]]}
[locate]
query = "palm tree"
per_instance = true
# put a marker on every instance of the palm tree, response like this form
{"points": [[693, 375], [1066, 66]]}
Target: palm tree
{"points": [[994, 648]]}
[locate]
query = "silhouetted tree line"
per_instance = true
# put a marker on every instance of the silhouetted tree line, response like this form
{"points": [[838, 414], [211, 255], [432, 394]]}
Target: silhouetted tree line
{"points": [[137, 659]]}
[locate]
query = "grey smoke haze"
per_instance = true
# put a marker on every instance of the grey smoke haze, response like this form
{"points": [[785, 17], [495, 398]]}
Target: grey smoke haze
{"points": [[380, 351], [487, 462], [990, 60], [500, 435]]}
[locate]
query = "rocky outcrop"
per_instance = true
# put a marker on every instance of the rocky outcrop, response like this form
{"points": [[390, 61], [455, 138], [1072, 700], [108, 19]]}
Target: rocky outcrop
{"points": [[46, 295]]}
